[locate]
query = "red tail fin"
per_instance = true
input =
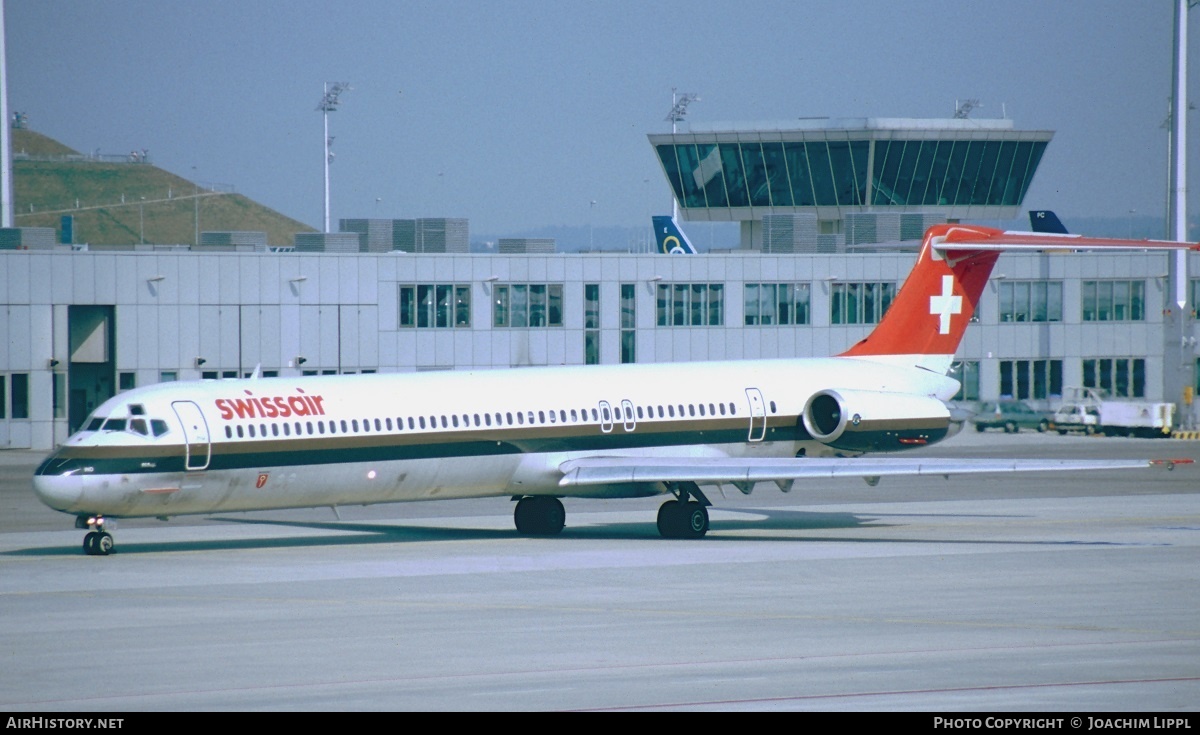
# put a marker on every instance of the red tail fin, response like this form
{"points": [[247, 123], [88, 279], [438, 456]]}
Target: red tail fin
{"points": [[928, 317]]}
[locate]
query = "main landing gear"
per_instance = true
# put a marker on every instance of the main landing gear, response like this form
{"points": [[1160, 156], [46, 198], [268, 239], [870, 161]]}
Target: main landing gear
{"points": [[97, 542], [539, 515], [686, 516]]}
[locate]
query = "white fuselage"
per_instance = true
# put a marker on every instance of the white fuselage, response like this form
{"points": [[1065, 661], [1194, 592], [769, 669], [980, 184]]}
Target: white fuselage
{"points": [[237, 445]]}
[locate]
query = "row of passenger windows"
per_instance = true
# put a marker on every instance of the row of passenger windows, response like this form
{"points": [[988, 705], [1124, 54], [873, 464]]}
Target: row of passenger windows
{"points": [[605, 415]]}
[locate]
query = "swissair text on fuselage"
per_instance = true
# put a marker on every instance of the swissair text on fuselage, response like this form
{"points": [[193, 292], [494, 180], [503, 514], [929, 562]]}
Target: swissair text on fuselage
{"points": [[270, 407]]}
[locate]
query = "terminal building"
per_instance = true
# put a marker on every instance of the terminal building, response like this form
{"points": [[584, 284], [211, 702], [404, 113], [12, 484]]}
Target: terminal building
{"points": [[78, 327]]}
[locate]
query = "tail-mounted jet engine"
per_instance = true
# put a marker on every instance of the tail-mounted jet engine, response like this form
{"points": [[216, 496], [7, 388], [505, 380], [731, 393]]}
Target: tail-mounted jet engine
{"points": [[875, 421]]}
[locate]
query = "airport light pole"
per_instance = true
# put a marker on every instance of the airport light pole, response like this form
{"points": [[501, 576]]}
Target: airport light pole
{"points": [[6, 178], [679, 105], [328, 104]]}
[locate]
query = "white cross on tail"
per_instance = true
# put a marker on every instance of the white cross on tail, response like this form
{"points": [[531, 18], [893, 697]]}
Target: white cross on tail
{"points": [[945, 304]]}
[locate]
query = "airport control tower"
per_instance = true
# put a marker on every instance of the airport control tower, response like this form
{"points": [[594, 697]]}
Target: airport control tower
{"points": [[851, 179]]}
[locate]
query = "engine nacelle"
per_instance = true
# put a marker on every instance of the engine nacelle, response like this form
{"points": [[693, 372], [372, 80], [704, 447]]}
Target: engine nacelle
{"points": [[875, 421]]}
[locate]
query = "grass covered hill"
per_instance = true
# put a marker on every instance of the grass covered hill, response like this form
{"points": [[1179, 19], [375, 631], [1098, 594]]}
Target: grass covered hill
{"points": [[118, 201]]}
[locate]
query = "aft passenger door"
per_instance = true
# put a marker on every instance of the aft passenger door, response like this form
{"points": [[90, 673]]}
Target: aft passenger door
{"points": [[758, 415], [195, 434]]}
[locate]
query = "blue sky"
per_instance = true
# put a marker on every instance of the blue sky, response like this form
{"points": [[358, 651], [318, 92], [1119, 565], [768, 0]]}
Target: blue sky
{"points": [[519, 113]]}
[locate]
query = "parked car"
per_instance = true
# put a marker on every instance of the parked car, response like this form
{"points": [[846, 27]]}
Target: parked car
{"points": [[1012, 416]]}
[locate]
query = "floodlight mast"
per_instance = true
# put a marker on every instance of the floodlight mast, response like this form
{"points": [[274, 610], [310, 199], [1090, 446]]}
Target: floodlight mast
{"points": [[679, 105], [6, 177], [328, 104]]}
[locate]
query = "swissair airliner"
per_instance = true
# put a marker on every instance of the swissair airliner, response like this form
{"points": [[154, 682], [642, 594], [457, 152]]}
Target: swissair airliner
{"points": [[541, 434]]}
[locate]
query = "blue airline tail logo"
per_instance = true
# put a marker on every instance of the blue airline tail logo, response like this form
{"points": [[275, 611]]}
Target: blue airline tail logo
{"points": [[671, 240], [1043, 220]]}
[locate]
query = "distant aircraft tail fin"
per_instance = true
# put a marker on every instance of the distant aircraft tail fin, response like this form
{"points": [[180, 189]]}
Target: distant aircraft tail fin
{"points": [[1043, 220], [671, 240]]}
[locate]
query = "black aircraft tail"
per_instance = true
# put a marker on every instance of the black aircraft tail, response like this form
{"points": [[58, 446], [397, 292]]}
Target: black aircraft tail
{"points": [[1043, 220]]}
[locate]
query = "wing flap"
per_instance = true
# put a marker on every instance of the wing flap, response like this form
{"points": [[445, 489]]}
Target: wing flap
{"points": [[611, 470]]}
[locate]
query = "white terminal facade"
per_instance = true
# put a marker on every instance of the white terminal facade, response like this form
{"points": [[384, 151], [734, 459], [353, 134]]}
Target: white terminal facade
{"points": [[79, 326]]}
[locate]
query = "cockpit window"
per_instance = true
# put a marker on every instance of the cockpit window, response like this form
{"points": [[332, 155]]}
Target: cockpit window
{"points": [[138, 426], [137, 409], [114, 425], [159, 427], [95, 424]]}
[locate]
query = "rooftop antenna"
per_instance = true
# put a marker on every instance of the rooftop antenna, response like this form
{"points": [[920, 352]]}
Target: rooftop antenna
{"points": [[963, 109], [328, 104], [679, 105]]}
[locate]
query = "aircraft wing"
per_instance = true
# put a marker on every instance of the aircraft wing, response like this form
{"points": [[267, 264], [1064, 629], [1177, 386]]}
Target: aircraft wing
{"points": [[735, 471]]}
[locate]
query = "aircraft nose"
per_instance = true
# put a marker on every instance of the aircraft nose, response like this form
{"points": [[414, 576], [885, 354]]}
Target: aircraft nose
{"points": [[55, 485]]}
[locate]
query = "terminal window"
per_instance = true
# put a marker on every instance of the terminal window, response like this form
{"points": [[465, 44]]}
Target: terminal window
{"points": [[860, 302], [1037, 379], [1114, 301], [1121, 377], [535, 305], [1030, 301], [435, 305], [690, 305], [768, 304]]}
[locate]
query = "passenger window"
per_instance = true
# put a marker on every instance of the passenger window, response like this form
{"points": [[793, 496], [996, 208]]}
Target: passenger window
{"points": [[772, 406], [541, 417], [274, 429], [344, 427], [487, 419], [520, 418], [671, 411], [574, 416], [454, 420], [239, 432], [228, 433], [701, 409], [251, 430]]}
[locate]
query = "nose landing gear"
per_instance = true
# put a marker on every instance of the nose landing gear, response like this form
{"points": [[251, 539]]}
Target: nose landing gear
{"points": [[97, 542]]}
